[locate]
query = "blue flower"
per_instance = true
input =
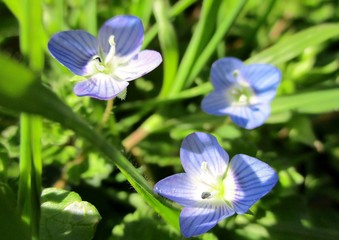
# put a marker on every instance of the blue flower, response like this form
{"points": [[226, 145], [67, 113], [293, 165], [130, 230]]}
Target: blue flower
{"points": [[109, 62], [243, 92], [213, 187]]}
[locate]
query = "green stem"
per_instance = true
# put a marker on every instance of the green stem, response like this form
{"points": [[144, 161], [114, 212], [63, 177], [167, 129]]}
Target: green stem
{"points": [[107, 112], [175, 10], [202, 89], [204, 26], [168, 43], [36, 134], [25, 167], [259, 23], [30, 171], [230, 13], [142, 132], [31, 42]]}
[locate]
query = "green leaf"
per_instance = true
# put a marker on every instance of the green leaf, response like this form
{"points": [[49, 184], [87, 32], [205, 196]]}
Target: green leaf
{"points": [[301, 130], [229, 11], [169, 44], [228, 131], [142, 224], [291, 46], [202, 32], [65, 216], [15, 7], [98, 170], [314, 102]]}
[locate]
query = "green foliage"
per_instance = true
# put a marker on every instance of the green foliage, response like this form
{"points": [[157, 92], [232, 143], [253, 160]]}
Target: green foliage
{"points": [[141, 224], [107, 160], [65, 216]]}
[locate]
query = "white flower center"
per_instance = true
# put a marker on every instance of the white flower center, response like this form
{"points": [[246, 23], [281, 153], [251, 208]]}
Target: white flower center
{"points": [[214, 188], [229, 187], [241, 93], [104, 64]]}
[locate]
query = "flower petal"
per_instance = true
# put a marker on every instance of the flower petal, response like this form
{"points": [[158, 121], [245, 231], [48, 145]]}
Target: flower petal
{"points": [[100, 86], [249, 117], [128, 33], [245, 116], [215, 103], [195, 221], [203, 158], [253, 179], [222, 72], [181, 188], [73, 49], [263, 78], [140, 65]]}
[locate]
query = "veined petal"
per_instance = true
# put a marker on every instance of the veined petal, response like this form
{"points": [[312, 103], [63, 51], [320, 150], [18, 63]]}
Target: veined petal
{"points": [[195, 221], [141, 64], [203, 158], [253, 179], [100, 86], [182, 189], [215, 103], [250, 116], [74, 49], [246, 116], [128, 33], [222, 72], [263, 78]]}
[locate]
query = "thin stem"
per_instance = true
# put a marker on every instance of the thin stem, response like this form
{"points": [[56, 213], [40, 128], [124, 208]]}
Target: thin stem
{"points": [[175, 10], [35, 133], [25, 166], [30, 171], [142, 132], [199, 37], [232, 11], [168, 43], [107, 113]]}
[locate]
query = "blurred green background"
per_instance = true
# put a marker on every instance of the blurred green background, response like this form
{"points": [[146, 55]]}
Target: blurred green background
{"points": [[300, 139]]}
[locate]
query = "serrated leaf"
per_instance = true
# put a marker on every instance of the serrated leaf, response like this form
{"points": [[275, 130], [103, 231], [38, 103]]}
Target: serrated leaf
{"points": [[98, 170], [65, 216], [142, 225]]}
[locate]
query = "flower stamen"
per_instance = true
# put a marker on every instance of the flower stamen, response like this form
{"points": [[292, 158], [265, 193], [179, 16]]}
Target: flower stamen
{"points": [[206, 170], [95, 65], [205, 195], [204, 166], [241, 95], [111, 52], [96, 57]]}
